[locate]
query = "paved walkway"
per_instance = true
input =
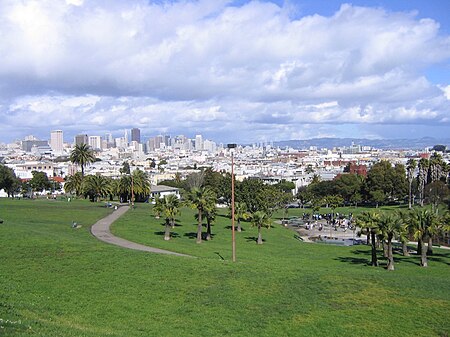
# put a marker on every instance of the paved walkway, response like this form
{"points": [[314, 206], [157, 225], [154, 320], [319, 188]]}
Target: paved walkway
{"points": [[101, 231]]}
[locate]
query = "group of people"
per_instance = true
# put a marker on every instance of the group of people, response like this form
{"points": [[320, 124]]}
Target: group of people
{"points": [[336, 221]]}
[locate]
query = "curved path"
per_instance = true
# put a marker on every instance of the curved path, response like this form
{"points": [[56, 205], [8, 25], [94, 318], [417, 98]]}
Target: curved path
{"points": [[101, 231]]}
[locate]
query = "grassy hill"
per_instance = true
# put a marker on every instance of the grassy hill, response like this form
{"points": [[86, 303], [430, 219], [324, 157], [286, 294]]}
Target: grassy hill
{"points": [[59, 281]]}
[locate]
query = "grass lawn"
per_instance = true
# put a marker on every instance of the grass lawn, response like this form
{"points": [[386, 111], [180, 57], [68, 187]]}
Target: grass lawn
{"points": [[59, 281]]}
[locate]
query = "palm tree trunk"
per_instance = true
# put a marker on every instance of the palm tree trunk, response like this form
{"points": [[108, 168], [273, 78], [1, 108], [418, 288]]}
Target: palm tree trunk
{"points": [[368, 237], [208, 230], [409, 196], [199, 227], [430, 245], [167, 232], [405, 248], [390, 265], [259, 242], [419, 246], [239, 229], [385, 249], [374, 250], [423, 255]]}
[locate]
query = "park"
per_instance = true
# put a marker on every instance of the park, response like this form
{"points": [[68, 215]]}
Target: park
{"points": [[59, 281]]}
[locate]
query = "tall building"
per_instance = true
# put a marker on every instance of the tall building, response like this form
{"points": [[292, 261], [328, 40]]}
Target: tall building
{"points": [[81, 139], [56, 141], [198, 142], [135, 135], [95, 142]]}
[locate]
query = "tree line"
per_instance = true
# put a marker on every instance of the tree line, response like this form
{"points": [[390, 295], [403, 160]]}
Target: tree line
{"points": [[384, 184]]}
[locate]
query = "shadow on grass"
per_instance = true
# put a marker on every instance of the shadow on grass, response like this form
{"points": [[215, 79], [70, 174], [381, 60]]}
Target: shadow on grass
{"points": [[221, 257], [193, 235], [253, 238], [172, 234], [164, 224], [235, 228], [354, 260]]}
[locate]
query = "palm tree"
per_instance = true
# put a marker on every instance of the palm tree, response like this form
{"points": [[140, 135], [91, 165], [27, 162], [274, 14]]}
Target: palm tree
{"points": [[140, 184], [82, 155], [404, 232], [114, 188], [390, 226], [420, 220], [422, 177], [410, 167], [200, 198], [210, 214], [74, 183], [260, 219], [158, 208], [170, 204], [96, 187], [369, 221], [240, 213]]}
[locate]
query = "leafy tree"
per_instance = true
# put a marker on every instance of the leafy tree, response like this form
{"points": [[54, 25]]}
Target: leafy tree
{"points": [[436, 192], [334, 201], [8, 180], [39, 181], [125, 168], [304, 195], [322, 189], [260, 219], [82, 155], [348, 185], [170, 207], [377, 196], [385, 183], [439, 148], [201, 198], [285, 186]]}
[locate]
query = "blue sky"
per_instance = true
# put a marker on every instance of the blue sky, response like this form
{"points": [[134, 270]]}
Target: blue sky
{"points": [[234, 71]]}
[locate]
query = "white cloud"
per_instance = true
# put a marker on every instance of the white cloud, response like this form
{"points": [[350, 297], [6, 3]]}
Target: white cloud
{"points": [[209, 64]]}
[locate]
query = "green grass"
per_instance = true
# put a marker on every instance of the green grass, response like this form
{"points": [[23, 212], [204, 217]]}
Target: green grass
{"points": [[59, 281]]}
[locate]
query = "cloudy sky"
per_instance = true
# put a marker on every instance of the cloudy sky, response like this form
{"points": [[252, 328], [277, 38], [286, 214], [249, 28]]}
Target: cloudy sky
{"points": [[241, 71]]}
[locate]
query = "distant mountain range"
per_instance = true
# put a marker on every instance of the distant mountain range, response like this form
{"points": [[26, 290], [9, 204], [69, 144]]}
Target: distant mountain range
{"points": [[394, 144]]}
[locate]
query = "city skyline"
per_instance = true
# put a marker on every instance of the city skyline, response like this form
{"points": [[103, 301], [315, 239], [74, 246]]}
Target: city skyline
{"points": [[232, 71]]}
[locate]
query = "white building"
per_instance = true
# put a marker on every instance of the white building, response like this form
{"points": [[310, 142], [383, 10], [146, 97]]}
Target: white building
{"points": [[95, 142], [56, 141], [198, 143]]}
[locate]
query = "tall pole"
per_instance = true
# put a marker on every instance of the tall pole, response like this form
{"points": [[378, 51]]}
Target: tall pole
{"points": [[233, 241]]}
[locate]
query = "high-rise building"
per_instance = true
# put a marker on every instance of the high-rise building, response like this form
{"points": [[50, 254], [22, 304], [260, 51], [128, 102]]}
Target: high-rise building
{"points": [[135, 135], [81, 139], [56, 141], [95, 142], [198, 142]]}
